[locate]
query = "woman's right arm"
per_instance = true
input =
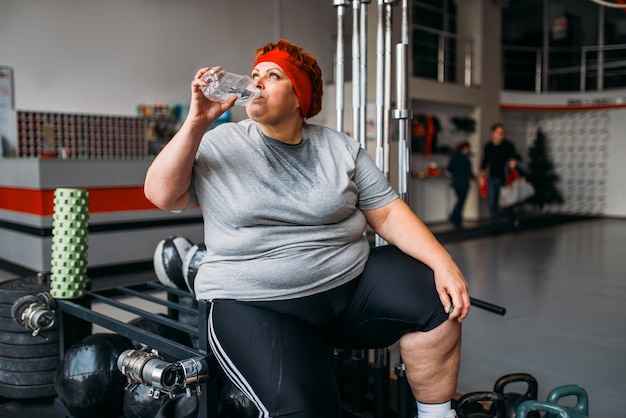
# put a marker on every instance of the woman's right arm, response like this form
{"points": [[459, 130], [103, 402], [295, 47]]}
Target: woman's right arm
{"points": [[169, 176]]}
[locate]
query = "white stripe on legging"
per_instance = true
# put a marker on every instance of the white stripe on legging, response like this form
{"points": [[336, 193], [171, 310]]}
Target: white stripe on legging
{"points": [[231, 370]]}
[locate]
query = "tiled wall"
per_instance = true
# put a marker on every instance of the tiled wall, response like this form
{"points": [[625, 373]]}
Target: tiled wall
{"points": [[578, 146]]}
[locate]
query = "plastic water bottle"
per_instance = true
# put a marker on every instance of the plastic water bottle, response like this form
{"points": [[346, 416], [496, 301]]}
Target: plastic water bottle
{"points": [[223, 85]]}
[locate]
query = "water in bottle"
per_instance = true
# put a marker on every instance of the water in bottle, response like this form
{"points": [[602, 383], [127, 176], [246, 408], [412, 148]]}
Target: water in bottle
{"points": [[223, 85]]}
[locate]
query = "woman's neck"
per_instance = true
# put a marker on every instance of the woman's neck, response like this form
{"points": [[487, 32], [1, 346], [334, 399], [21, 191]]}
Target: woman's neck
{"points": [[289, 132]]}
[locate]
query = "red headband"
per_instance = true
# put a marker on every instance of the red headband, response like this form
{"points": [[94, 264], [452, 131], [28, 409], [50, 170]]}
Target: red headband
{"points": [[299, 78]]}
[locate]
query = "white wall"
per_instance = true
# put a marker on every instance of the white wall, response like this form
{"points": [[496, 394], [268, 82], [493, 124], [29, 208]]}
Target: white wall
{"points": [[94, 56], [616, 193]]}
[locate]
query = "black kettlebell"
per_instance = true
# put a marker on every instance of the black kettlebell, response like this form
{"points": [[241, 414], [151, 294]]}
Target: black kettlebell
{"points": [[472, 405], [513, 399]]}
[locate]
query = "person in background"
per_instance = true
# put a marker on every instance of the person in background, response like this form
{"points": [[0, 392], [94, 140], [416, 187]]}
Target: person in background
{"points": [[460, 167], [289, 272], [513, 173], [496, 152]]}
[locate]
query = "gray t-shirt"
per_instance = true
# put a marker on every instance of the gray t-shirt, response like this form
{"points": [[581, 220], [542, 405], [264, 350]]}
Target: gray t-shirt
{"points": [[282, 221]]}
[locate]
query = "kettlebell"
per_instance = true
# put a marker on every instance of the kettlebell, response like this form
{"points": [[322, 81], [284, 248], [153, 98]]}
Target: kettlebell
{"points": [[533, 407], [513, 399], [580, 410], [471, 405]]}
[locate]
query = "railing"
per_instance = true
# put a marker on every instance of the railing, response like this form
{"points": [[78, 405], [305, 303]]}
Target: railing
{"points": [[443, 56], [589, 68]]}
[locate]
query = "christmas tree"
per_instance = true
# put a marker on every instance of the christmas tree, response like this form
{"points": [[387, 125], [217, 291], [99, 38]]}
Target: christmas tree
{"points": [[542, 175]]}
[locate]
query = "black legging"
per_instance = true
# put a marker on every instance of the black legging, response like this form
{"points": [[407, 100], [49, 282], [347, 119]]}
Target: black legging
{"points": [[277, 352]]}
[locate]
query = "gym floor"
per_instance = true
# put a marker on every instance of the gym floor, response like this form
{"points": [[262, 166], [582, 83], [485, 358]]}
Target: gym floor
{"points": [[564, 287]]}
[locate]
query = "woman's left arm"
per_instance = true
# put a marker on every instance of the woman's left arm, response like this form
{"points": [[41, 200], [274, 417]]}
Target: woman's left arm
{"points": [[398, 225]]}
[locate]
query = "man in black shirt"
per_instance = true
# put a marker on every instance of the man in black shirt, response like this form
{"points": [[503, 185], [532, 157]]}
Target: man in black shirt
{"points": [[496, 153]]}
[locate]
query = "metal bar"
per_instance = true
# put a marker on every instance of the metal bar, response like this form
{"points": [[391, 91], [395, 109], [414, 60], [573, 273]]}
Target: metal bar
{"points": [[380, 96], [380, 377], [134, 333], [363, 75], [583, 69], [358, 380], [600, 73], [339, 65], [538, 74], [380, 86], [546, 45], [387, 86], [469, 50], [403, 114], [356, 70], [441, 59], [143, 313], [158, 301]]}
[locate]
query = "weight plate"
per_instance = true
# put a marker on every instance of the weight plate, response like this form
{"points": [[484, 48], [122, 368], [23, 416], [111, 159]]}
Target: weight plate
{"points": [[27, 378], [5, 310], [30, 364], [26, 338], [26, 392], [26, 351], [9, 325], [11, 290]]}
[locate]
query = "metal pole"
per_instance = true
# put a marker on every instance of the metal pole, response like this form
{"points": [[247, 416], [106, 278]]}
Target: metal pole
{"points": [[546, 46], [600, 74], [380, 372], [356, 70], [380, 86], [468, 62], [538, 71], [402, 112], [380, 97], [339, 66], [363, 71], [387, 81], [583, 69]]}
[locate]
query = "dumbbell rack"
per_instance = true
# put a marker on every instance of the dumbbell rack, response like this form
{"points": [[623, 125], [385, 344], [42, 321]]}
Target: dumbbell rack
{"points": [[76, 318]]}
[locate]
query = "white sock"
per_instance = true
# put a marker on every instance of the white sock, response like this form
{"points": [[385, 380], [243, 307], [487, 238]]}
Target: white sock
{"points": [[433, 410]]}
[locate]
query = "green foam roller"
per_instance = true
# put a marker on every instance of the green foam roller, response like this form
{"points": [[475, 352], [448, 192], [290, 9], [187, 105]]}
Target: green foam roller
{"points": [[69, 243], [60, 262], [70, 224], [69, 248], [70, 257], [80, 222], [68, 286], [70, 207], [76, 283], [67, 294], [68, 274], [62, 240], [81, 232], [69, 271], [67, 237], [70, 192]]}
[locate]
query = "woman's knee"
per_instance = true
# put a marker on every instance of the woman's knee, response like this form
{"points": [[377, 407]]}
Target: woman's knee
{"points": [[441, 341]]}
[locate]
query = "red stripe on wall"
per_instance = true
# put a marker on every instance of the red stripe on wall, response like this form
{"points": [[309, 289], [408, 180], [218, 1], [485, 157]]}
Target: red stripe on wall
{"points": [[101, 200]]}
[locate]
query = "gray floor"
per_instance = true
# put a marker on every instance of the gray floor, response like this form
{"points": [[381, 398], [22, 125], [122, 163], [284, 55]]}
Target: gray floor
{"points": [[564, 288]]}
